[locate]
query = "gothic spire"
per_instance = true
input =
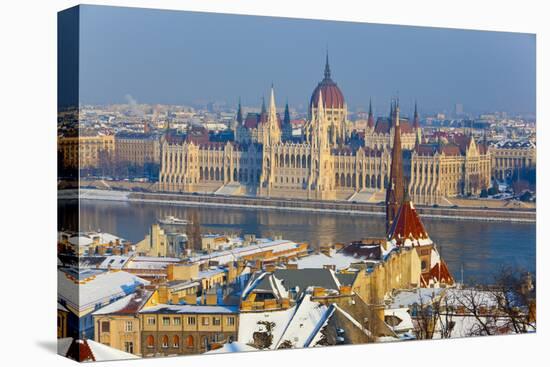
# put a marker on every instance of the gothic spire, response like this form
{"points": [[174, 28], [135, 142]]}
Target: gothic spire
{"points": [[370, 121], [395, 188], [263, 106], [286, 119], [416, 119], [240, 113], [272, 107], [327, 68]]}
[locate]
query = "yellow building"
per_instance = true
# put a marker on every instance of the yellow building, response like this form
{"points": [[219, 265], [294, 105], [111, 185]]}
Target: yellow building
{"points": [[155, 243], [509, 156], [438, 171], [138, 149], [86, 151], [322, 166], [119, 326], [186, 329]]}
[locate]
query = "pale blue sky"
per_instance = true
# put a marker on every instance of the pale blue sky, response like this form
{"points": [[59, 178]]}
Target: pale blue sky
{"points": [[176, 57]]}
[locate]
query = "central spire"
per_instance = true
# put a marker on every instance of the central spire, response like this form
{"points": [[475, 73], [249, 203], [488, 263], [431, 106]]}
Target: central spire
{"points": [[396, 187], [327, 68]]}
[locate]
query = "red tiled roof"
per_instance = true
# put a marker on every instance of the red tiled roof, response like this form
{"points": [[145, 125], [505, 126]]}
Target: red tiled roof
{"points": [[439, 273], [407, 225], [252, 120], [451, 149], [332, 95], [426, 149], [382, 126], [80, 351]]}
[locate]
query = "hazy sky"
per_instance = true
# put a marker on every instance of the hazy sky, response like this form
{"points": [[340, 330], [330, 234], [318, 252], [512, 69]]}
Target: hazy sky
{"points": [[176, 57]]}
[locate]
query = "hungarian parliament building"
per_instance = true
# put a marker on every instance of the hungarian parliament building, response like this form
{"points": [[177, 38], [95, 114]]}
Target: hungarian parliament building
{"points": [[266, 160]]}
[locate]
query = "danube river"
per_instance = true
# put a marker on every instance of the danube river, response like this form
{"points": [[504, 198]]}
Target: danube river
{"points": [[479, 248]]}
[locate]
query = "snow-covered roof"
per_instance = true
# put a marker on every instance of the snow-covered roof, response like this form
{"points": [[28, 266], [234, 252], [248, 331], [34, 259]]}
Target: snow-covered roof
{"points": [[339, 260], [87, 238], [233, 348], [248, 324], [184, 309], [407, 298], [406, 324], [88, 288], [305, 324], [210, 272], [103, 352], [226, 256], [151, 262], [83, 350], [129, 304]]}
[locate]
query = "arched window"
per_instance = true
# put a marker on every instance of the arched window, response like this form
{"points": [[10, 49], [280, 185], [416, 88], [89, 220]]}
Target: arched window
{"points": [[176, 341], [150, 341], [190, 341], [165, 341]]}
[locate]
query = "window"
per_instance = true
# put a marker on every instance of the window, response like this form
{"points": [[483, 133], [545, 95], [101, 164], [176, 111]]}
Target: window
{"points": [[176, 341], [191, 320], [129, 347], [230, 321], [129, 326], [166, 321], [165, 341], [177, 321], [150, 341], [205, 321], [190, 341], [216, 321], [151, 321], [105, 326]]}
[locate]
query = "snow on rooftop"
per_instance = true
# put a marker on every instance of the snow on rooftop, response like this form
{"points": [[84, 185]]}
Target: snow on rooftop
{"points": [[263, 244], [97, 288], [407, 298], [183, 309], [339, 260], [248, 324], [115, 306], [103, 352], [306, 322], [406, 324]]}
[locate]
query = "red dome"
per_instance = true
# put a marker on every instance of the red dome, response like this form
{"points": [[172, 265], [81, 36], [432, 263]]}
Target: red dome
{"points": [[332, 95]]}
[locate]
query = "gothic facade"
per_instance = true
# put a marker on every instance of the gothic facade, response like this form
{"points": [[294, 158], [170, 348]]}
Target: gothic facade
{"points": [[265, 160]]}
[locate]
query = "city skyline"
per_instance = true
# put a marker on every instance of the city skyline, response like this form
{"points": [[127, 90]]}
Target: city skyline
{"points": [[154, 59]]}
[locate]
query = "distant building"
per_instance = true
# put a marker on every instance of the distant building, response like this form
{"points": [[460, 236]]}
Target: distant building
{"points": [[86, 151], [508, 156], [330, 161], [137, 148]]}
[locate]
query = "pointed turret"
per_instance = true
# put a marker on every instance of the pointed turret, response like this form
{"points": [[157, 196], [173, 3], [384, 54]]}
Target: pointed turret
{"points": [[287, 126], [416, 120], [370, 121], [286, 119], [240, 113], [263, 106], [272, 123], [327, 68], [272, 107], [263, 112], [394, 190]]}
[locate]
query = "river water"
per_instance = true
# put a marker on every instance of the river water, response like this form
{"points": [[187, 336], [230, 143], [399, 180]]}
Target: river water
{"points": [[477, 248]]}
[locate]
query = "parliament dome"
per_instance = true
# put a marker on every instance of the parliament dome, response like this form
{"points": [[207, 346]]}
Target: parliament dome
{"points": [[332, 95]]}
